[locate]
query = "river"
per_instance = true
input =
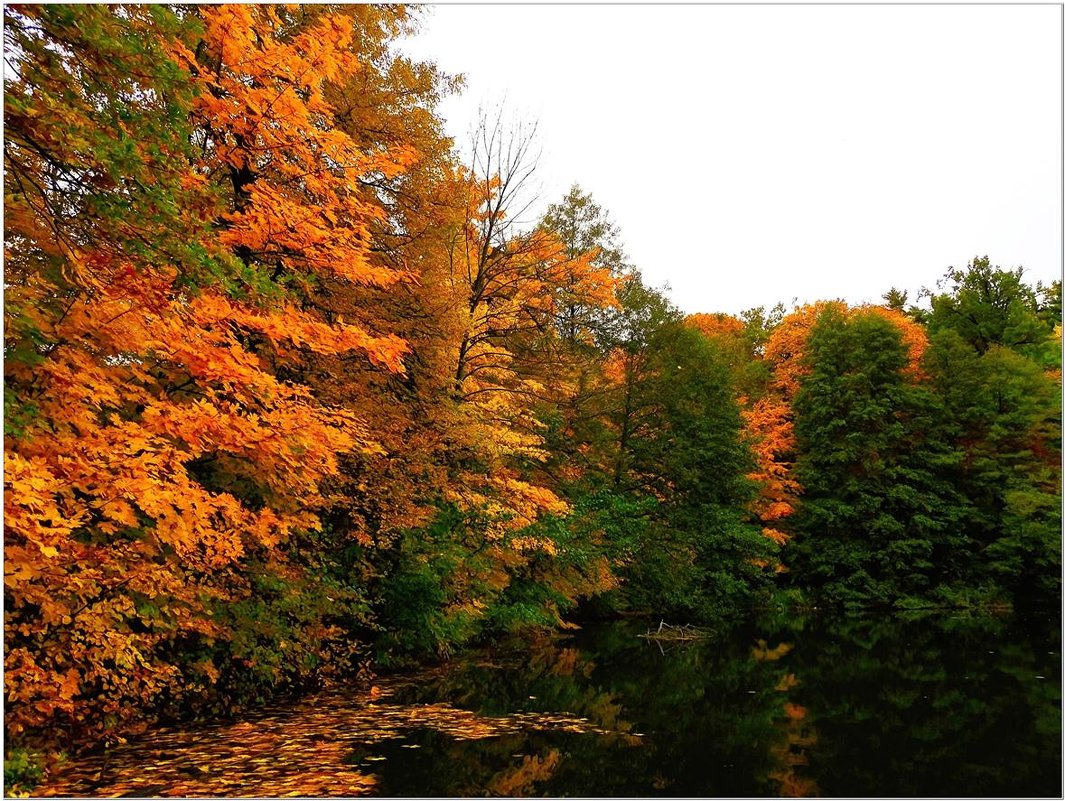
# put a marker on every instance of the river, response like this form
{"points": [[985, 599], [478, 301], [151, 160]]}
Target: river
{"points": [[911, 705]]}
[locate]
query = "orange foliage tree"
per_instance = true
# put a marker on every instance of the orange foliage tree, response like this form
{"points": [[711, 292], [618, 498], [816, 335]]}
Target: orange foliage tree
{"points": [[177, 187], [510, 289]]}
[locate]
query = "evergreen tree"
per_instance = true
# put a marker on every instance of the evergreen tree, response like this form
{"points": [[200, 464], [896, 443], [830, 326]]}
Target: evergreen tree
{"points": [[702, 555], [1003, 412], [878, 511]]}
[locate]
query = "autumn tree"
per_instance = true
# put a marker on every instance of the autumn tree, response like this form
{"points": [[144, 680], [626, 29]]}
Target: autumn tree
{"points": [[493, 291], [769, 418], [176, 188], [662, 466], [586, 232], [733, 340]]}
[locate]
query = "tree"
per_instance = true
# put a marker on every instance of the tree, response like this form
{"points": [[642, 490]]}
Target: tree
{"points": [[895, 299], [175, 195], [1003, 414], [584, 229], [769, 419], [988, 306], [689, 455], [631, 329], [877, 507], [996, 363]]}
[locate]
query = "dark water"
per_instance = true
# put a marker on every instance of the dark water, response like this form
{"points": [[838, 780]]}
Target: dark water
{"points": [[937, 706], [796, 706]]}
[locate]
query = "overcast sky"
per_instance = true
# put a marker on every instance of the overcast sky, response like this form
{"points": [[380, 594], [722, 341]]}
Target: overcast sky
{"points": [[755, 154]]}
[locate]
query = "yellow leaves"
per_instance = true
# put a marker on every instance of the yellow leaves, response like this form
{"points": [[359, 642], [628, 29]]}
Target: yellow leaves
{"points": [[531, 500], [306, 751], [519, 781], [207, 668], [616, 366], [522, 544], [787, 682], [36, 503], [763, 653], [28, 482], [119, 511], [779, 537]]}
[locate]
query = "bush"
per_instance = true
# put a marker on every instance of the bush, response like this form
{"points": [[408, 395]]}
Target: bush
{"points": [[22, 772]]}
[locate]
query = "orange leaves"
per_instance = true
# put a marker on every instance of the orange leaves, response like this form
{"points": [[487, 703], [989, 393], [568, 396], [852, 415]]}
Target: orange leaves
{"points": [[715, 325], [168, 433], [769, 420], [527, 501], [794, 711], [259, 81], [779, 537], [761, 652], [296, 177], [277, 224], [787, 346], [289, 326], [232, 27], [507, 293], [771, 434]]}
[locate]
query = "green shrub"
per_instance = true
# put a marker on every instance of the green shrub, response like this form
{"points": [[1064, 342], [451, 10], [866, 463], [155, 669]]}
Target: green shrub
{"points": [[22, 772]]}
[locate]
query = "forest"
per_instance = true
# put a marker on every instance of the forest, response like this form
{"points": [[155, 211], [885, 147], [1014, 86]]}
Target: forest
{"points": [[292, 395]]}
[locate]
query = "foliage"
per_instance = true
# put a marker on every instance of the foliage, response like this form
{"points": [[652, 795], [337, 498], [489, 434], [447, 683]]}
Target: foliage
{"points": [[161, 446], [288, 384], [22, 772], [684, 451], [931, 470], [989, 306], [875, 509]]}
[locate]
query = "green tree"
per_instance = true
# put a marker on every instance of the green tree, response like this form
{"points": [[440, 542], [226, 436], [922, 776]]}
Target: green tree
{"points": [[996, 361], [878, 511], [989, 306], [702, 556], [1049, 302], [583, 227], [1004, 414]]}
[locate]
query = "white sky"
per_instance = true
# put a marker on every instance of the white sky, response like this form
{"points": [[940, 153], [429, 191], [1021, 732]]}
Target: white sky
{"points": [[755, 154]]}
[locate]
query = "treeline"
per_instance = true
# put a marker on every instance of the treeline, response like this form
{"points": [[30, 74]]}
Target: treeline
{"points": [[289, 391]]}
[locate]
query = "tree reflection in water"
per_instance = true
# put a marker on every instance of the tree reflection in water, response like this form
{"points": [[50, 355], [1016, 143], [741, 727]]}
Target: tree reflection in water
{"points": [[787, 706]]}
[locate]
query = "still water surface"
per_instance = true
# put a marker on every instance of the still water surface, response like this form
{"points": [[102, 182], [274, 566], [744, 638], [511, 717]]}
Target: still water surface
{"points": [[787, 706]]}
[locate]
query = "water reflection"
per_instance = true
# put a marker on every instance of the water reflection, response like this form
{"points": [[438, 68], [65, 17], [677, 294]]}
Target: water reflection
{"points": [[792, 706], [789, 706]]}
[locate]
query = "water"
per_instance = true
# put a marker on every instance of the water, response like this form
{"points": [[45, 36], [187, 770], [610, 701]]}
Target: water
{"points": [[789, 706]]}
